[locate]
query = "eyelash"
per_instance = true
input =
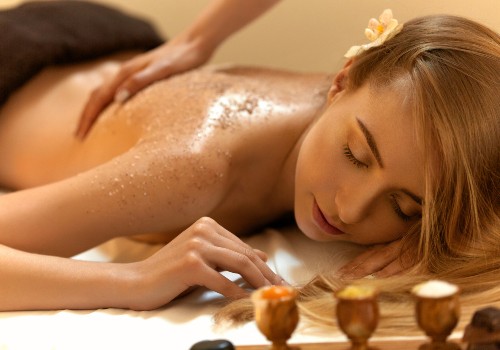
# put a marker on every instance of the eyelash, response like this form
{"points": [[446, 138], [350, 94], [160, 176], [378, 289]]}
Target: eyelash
{"points": [[352, 159], [398, 210]]}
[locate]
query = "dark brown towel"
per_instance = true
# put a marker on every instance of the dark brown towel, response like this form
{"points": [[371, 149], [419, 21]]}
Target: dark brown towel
{"points": [[38, 34]]}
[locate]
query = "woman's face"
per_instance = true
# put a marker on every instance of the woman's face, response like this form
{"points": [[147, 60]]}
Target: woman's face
{"points": [[360, 170]]}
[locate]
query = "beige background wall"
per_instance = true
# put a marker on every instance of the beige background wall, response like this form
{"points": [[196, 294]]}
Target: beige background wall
{"points": [[307, 35]]}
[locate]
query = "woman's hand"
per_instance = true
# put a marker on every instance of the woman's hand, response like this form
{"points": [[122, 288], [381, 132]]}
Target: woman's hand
{"points": [[174, 57], [194, 258], [381, 260]]}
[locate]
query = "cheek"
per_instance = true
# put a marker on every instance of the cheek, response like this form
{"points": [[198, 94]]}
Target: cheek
{"points": [[381, 227], [321, 162], [313, 162]]}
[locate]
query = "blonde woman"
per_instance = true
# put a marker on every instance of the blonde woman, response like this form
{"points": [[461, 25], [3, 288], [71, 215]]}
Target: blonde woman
{"points": [[399, 148], [446, 70]]}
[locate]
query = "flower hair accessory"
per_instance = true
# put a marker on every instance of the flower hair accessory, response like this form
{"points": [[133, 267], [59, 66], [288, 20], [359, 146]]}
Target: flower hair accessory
{"points": [[378, 32]]}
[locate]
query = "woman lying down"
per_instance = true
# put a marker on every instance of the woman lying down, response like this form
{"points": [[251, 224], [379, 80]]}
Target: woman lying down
{"points": [[398, 150]]}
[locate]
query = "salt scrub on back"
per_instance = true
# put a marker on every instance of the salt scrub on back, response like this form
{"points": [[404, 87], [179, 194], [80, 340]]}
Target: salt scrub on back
{"points": [[434, 289]]}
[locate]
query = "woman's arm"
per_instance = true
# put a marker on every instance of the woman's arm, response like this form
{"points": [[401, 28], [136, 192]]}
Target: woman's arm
{"points": [[194, 258], [69, 216], [221, 19], [139, 191], [190, 49], [37, 282]]}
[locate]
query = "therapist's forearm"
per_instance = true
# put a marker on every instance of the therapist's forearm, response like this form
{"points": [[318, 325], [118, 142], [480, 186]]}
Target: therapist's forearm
{"points": [[38, 282], [223, 18]]}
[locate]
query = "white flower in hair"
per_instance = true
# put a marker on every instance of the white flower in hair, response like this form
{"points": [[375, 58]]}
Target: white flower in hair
{"points": [[378, 31]]}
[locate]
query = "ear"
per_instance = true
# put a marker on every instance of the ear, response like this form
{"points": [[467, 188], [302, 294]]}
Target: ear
{"points": [[339, 81]]}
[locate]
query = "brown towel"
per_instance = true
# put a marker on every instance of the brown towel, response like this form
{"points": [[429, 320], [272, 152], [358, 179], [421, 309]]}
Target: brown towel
{"points": [[38, 34]]}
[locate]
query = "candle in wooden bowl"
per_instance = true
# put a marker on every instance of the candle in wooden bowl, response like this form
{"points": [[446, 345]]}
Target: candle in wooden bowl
{"points": [[276, 314], [357, 314], [437, 310]]}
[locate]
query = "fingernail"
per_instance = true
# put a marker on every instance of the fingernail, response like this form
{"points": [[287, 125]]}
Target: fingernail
{"points": [[122, 95]]}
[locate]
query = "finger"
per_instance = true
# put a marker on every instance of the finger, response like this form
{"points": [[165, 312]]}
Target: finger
{"points": [[98, 101], [213, 280], [104, 95], [241, 258], [403, 261], [261, 254], [391, 269], [204, 228], [91, 110], [142, 79], [379, 258], [356, 261], [255, 272]]}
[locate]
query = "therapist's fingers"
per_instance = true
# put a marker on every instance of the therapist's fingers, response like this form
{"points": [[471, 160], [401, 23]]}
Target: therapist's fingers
{"points": [[99, 99], [105, 94], [176, 56], [134, 83]]}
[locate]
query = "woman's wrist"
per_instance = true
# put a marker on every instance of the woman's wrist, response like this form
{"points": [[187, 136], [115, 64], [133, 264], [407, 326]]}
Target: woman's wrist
{"points": [[145, 285], [125, 286], [137, 287]]}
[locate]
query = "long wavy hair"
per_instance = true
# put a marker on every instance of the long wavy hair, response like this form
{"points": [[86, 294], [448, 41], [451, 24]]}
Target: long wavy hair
{"points": [[451, 69]]}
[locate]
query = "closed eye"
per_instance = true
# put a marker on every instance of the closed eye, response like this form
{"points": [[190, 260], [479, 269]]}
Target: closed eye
{"points": [[348, 154], [399, 212]]}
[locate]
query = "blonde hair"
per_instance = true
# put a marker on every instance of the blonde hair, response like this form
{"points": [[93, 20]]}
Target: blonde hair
{"points": [[452, 69]]}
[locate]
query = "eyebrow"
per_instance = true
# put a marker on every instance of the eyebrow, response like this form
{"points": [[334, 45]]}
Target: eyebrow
{"points": [[373, 147], [371, 142]]}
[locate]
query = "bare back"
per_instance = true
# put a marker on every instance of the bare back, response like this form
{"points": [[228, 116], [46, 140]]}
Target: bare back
{"points": [[227, 129]]}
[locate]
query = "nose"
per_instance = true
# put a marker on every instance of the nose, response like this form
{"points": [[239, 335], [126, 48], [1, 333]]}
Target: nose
{"points": [[354, 204]]}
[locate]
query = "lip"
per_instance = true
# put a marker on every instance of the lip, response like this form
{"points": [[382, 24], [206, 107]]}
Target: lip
{"points": [[322, 223]]}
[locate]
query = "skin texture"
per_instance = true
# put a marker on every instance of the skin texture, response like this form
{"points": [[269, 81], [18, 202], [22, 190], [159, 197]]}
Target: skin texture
{"points": [[194, 161]]}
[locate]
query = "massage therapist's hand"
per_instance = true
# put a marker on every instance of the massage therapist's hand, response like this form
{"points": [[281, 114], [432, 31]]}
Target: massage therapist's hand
{"points": [[176, 56], [194, 258], [190, 49], [381, 260]]}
